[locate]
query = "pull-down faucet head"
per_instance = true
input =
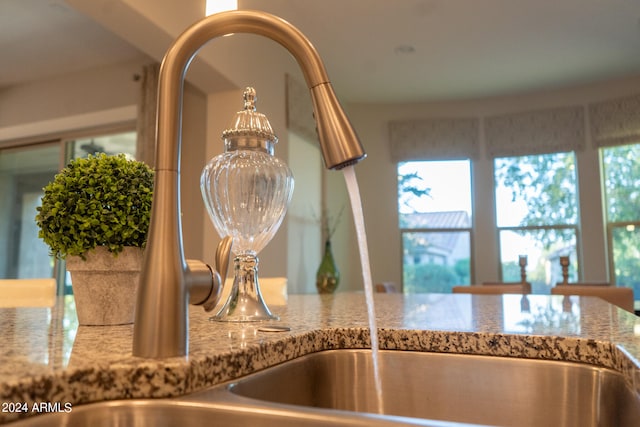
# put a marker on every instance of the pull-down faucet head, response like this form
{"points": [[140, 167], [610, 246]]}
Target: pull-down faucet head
{"points": [[168, 282]]}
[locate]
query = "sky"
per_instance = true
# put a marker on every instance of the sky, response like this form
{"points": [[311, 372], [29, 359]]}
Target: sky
{"points": [[450, 184]]}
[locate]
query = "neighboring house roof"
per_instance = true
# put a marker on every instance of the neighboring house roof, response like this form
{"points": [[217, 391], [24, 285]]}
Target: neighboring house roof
{"points": [[448, 219], [438, 220]]}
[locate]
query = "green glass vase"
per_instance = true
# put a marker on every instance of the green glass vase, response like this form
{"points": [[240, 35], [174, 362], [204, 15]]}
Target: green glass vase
{"points": [[328, 275]]}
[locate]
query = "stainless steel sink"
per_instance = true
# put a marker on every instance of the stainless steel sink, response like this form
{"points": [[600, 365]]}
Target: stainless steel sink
{"points": [[185, 413], [463, 388], [425, 389]]}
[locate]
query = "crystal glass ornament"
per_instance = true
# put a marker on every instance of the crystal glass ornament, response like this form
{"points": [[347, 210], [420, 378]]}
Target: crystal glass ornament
{"points": [[247, 191]]}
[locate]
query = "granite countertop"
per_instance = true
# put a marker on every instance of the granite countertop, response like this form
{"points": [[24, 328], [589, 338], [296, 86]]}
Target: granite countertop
{"points": [[46, 357]]}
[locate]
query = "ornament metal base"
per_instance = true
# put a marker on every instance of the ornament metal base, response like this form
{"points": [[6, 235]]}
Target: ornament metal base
{"points": [[245, 302]]}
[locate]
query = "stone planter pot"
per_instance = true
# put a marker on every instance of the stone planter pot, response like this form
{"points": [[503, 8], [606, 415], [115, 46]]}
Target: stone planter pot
{"points": [[104, 286]]}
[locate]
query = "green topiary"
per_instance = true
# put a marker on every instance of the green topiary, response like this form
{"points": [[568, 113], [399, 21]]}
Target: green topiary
{"points": [[96, 201]]}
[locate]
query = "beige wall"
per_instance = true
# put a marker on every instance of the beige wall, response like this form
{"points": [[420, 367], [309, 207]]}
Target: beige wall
{"points": [[303, 227], [69, 95]]}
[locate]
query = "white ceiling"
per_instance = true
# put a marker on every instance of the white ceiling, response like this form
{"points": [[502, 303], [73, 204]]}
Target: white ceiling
{"points": [[456, 48]]}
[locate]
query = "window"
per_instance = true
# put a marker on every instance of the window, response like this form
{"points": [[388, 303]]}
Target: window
{"points": [[24, 172], [621, 183], [537, 216], [110, 144], [435, 214]]}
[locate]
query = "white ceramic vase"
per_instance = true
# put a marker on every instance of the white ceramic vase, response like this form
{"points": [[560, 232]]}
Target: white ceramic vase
{"points": [[104, 286]]}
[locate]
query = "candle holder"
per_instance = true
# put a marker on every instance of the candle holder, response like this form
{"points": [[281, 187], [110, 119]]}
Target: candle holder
{"points": [[522, 262], [564, 262]]}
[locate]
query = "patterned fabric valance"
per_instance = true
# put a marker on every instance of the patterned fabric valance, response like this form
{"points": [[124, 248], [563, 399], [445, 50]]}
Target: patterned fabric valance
{"points": [[615, 122], [536, 132], [434, 139]]}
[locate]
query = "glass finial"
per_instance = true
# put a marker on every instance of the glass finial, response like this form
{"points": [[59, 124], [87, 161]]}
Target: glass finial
{"points": [[250, 99]]}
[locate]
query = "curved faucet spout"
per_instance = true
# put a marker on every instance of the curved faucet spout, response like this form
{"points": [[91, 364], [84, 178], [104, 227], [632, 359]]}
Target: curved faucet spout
{"points": [[161, 325]]}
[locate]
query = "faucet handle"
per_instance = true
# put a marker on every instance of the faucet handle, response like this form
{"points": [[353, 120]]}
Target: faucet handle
{"points": [[223, 253], [223, 256]]}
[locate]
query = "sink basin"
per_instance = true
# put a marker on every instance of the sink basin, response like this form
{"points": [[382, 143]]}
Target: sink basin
{"points": [[421, 389], [181, 412], [495, 391]]}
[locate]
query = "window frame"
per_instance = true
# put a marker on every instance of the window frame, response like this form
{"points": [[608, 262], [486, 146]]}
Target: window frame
{"points": [[610, 226], [469, 230], [576, 227]]}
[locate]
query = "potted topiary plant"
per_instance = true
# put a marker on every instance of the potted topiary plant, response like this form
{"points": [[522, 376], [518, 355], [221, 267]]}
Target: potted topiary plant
{"points": [[95, 214]]}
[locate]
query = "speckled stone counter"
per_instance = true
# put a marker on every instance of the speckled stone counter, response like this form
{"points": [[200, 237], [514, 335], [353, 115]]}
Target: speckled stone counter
{"points": [[46, 357]]}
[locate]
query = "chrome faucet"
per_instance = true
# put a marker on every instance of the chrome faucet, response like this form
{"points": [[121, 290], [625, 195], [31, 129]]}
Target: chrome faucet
{"points": [[169, 282]]}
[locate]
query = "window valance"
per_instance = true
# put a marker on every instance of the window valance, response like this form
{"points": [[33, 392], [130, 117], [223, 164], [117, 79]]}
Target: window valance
{"points": [[434, 139], [615, 122], [536, 132]]}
